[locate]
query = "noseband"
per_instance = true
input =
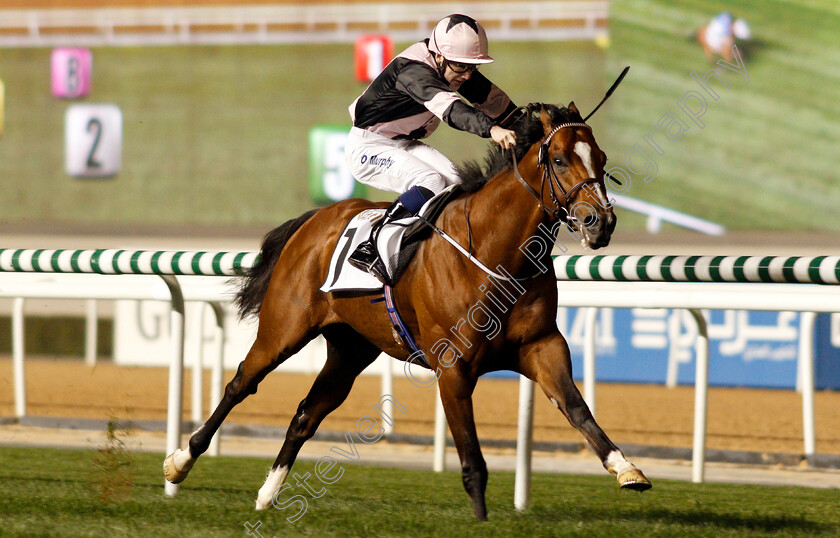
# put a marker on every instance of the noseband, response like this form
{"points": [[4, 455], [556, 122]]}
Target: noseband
{"points": [[561, 210]]}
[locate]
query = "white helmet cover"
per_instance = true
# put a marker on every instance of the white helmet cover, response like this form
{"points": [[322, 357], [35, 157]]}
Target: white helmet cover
{"points": [[460, 38]]}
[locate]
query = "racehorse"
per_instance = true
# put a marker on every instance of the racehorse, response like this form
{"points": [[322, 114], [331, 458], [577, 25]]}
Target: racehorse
{"points": [[554, 177]]}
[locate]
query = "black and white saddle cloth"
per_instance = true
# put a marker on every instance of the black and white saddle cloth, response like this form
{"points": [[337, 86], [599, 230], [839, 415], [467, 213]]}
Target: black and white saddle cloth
{"points": [[397, 243]]}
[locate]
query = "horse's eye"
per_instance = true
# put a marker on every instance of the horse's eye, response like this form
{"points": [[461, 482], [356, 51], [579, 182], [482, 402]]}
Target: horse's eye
{"points": [[558, 161]]}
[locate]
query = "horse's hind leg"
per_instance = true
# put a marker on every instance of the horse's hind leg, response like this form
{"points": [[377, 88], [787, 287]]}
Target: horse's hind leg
{"points": [[547, 362], [348, 354], [268, 351]]}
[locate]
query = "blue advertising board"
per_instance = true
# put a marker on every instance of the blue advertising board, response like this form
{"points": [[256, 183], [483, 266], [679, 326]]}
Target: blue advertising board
{"points": [[827, 351], [746, 348]]}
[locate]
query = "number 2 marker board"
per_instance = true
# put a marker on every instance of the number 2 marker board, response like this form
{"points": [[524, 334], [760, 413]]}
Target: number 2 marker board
{"points": [[93, 140]]}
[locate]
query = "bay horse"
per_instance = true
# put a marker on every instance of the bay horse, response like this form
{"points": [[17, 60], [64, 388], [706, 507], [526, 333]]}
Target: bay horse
{"points": [[558, 179]]}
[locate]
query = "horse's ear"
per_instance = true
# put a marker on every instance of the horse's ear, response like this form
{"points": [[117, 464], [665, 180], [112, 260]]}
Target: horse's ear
{"points": [[545, 118], [573, 109]]}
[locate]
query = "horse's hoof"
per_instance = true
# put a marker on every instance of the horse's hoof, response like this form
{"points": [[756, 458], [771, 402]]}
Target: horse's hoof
{"points": [[171, 470], [634, 480]]}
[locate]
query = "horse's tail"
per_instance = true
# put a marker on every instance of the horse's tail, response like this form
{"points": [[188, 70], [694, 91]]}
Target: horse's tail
{"points": [[254, 283]]}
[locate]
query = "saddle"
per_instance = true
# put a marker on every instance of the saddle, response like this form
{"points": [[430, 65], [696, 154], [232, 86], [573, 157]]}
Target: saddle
{"points": [[397, 243]]}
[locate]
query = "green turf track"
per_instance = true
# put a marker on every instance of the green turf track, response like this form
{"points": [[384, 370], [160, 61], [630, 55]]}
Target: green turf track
{"points": [[217, 135], [767, 156], [47, 492]]}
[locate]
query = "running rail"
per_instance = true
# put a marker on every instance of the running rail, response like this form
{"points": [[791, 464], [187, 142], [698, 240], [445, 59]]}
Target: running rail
{"points": [[165, 264], [802, 283], [118, 262], [731, 269]]}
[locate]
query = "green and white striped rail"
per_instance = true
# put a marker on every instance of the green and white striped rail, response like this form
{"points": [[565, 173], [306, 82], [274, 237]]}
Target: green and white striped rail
{"points": [[766, 269], [117, 261]]}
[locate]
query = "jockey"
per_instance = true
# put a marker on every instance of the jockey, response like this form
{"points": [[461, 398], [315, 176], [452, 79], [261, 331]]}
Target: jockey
{"points": [[407, 102], [719, 35]]}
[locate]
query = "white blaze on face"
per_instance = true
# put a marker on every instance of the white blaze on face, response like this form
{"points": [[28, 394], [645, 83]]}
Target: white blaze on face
{"points": [[584, 151], [273, 481]]}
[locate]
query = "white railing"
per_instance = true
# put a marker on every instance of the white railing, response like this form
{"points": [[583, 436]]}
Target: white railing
{"points": [[131, 287], [694, 297], [258, 24], [693, 283], [657, 214], [686, 282], [176, 277]]}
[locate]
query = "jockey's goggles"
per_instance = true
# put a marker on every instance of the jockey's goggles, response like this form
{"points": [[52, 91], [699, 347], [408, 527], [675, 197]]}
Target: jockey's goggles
{"points": [[459, 67]]}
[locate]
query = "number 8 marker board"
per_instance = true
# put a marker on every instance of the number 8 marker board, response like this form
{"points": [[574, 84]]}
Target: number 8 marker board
{"points": [[71, 72]]}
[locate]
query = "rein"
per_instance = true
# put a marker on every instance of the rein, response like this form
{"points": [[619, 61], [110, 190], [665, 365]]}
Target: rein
{"points": [[548, 176], [548, 172], [468, 254], [553, 181]]}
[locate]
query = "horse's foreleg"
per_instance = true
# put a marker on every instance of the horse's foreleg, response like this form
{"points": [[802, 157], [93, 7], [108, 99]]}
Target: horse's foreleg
{"points": [[265, 355], [456, 390], [347, 355], [548, 363]]}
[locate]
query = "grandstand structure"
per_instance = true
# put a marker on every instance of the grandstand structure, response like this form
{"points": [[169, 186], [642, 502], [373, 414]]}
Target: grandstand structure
{"points": [[293, 23]]}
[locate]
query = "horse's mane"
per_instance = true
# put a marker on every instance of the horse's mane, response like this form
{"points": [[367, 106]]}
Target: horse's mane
{"points": [[528, 129]]}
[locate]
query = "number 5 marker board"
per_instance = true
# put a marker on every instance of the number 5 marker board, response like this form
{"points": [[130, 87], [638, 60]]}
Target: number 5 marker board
{"points": [[93, 140], [330, 179]]}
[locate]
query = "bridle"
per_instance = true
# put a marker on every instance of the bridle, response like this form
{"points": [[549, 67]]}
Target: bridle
{"points": [[561, 210]]}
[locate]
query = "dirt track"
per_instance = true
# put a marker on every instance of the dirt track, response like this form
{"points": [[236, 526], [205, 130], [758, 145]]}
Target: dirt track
{"points": [[739, 419]]}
